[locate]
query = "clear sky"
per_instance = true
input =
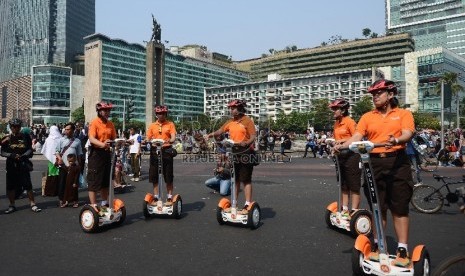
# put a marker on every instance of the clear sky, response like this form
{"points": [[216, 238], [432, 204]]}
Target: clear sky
{"points": [[243, 29]]}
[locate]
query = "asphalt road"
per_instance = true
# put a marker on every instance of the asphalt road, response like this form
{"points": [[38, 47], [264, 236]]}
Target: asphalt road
{"points": [[293, 238]]}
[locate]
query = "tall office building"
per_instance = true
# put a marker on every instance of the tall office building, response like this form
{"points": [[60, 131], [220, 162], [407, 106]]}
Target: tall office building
{"points": [[38, 32], [432, 23]]}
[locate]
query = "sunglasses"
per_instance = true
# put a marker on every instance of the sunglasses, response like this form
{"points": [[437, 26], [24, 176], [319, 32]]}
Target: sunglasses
{"points": [[378, 93]]}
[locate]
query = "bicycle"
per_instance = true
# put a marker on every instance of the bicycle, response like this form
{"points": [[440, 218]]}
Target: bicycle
{"points": [[454, 265], [427, 160], [428, 199]]}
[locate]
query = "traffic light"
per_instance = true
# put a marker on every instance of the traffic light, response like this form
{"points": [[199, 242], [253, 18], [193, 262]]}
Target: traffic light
{"points": [[130, 110]]}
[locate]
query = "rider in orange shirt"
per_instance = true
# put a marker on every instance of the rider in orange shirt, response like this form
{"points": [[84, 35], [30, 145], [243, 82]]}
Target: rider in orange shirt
{"points": [[394, 127], [344, 128], [101, 132], [241, 129], [162, 129]]}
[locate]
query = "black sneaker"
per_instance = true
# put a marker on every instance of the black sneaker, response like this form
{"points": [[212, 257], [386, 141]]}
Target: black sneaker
{"points": [[374, 254], [10, 209], [245, 210], [154, 201], [169, 201], [402, 258]]}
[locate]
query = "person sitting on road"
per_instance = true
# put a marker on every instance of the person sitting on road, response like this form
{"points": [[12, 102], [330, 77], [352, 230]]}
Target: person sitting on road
{"points": [[222, 181], [393, 127], [17, 148]]}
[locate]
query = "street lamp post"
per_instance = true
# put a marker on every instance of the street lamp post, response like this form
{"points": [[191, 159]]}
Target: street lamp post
{"points": [[17, 102]]}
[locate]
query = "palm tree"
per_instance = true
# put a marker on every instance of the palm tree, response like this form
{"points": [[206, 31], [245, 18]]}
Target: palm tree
{"points": [[450, 78]]}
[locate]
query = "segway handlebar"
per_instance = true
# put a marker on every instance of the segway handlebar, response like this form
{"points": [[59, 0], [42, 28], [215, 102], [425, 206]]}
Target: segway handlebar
{"points": [[229, 143], [331, 141], [113, 142], [157, 142], [365, 146]]}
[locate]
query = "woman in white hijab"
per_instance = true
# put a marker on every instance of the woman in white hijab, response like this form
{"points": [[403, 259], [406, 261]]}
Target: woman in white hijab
{"points": [[49, 151]]}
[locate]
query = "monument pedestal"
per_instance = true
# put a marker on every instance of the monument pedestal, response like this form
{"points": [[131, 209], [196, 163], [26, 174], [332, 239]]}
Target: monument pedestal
{"points": [[154, 78]]}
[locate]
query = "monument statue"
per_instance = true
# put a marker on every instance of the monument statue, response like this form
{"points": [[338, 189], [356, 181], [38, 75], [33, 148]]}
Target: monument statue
{"points": [[156, 31]]}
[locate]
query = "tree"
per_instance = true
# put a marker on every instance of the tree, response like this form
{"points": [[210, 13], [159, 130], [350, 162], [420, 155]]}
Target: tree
{"points": [[321, 115], [426, 120], [137, 125], [272, 51], [366, 32], [361, 107], [374, 35], [78, 115]]}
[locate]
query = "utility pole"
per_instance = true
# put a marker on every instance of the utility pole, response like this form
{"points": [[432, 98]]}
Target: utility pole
{"points": [[124, 114], [442, 114], [458, 111]]}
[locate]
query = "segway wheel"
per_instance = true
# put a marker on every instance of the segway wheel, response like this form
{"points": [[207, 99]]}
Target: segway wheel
{"points": [[360, 223], [357, 261], [328, 219], [88, 219], [254, 216], [122, 217], [177, 207], [145, 210], [219, 215], [423, 265]]}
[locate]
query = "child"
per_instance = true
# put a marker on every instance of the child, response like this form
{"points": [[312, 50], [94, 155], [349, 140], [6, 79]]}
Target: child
{"points": [[72, 180]]}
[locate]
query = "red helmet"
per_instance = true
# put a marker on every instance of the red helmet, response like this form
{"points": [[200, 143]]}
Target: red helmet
{"points": [[161, 109], [339, 102], [103, 106], [237, 103], [383, 84]]}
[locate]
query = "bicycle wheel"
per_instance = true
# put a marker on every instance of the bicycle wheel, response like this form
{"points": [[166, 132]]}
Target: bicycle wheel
{"points": [[454, 265], [427, 199], [428, 163]]}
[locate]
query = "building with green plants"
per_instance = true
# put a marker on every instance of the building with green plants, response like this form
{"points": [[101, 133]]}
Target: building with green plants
{"points": [[346, 56]]}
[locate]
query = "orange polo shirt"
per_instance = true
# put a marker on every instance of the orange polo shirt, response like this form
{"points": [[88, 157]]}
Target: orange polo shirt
{"points": [[159, 130], [378, 129], [239, 130], [102, 131], [344, 129]]}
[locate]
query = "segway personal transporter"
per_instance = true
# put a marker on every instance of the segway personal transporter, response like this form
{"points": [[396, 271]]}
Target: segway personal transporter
{"points": [[161, 206], [91, 220], [361, 264], [359, 222], [227, 211]]}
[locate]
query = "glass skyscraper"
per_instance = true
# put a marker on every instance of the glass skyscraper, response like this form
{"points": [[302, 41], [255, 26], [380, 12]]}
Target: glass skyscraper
{"points": [[38, 32], [432, 23], [51, 86]]}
